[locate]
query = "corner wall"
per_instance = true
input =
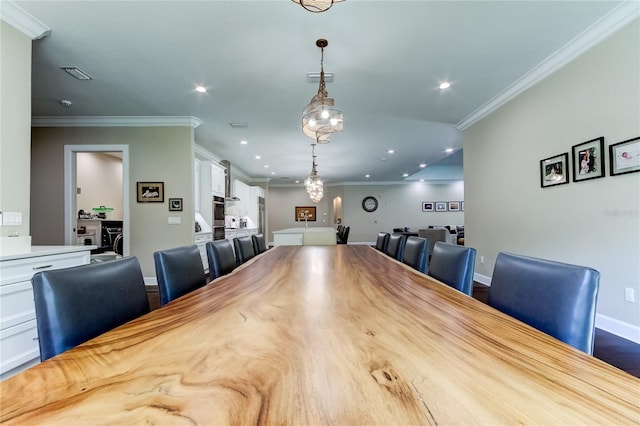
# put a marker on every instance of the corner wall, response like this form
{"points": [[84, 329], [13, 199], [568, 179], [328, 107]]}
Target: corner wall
{"points": [[594, 223]]}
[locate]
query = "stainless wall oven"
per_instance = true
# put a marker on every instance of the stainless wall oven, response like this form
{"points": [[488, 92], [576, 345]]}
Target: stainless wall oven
{"points": [[218, 218]]}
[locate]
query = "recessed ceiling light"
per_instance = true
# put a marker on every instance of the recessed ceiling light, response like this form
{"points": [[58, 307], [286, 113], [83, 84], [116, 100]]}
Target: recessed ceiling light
{"points": [[384, 159], [405, 174], [273, 173], [297, 181], [448, 150], [391, 151], [445, 85], [266, 166], [367, 176], [423, 165], [258, 157], [421, 180], [243, 142], [201, 89]]}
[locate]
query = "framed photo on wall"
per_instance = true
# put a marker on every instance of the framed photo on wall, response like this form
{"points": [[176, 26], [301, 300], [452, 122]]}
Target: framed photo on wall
{"points": [[428, 206], [175, 204], [588, 160], [305, 214], [624, 157], [454, 206], [150, 192], [441, 206], [554, 170]]}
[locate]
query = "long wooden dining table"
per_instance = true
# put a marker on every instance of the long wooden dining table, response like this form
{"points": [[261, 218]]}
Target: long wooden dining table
{"points": [[339, 335]]}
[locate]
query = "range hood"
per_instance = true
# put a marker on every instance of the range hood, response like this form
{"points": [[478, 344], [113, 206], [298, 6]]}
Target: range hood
{"points": [[228, 196]]}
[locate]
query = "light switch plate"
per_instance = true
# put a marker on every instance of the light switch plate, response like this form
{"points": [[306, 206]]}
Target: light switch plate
{"points": [[174, 220]]}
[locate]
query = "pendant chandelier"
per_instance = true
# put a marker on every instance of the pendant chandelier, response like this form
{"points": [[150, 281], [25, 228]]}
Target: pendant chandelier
{"points": [[316, 6], [320, 118], [313, 183]]}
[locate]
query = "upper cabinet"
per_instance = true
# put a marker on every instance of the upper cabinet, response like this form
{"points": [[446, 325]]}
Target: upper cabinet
{"points": [[217, 180]]}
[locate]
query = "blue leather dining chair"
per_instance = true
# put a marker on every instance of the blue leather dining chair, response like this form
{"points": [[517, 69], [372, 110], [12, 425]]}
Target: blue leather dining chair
{"points": [[259, 243], [453, 265], [395, 246], [556, 298], [416, 253], [221, 258], [382, 241], [179, 271], [244, 249], [79, 303]]}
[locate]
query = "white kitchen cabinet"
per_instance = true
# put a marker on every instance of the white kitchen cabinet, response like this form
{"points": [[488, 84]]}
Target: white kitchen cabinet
{"points": [[196, 183], [217, 180], [252, 206], [19, 347], [243, 192], [201, 240]]}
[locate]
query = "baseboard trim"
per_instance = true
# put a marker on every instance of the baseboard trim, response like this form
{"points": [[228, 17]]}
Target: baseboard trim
{"points": [[619, 328], [151, 281], [482, 279]]}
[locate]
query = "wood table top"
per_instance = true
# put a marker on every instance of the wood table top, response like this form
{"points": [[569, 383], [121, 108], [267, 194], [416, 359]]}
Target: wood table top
{"points": [[335, 335]]}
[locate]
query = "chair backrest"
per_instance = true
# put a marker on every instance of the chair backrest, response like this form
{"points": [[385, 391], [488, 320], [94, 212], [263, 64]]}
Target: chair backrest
{"points": [[244, 249], [79, 303], [416, 253], [395, 247], [221, 257], [433, 235], [259, 243], [343, 237], [453, 265], [383, 241], [179, 271], [556, 298]]}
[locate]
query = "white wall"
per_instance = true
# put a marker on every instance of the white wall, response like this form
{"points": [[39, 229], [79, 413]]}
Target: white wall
{"points": [[99, 178], [15, 125], [399, 205], [595, 222]]}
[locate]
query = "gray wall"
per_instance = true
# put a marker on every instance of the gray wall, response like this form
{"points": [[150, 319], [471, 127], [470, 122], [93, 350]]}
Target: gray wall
{"points": [[157, 154], [594, 222]]}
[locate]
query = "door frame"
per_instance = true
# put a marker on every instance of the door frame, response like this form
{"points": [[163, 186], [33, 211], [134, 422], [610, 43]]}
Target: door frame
{"points": [[70, 185]]}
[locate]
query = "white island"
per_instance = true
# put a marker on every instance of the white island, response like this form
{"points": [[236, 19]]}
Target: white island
{"points": [[321, 236]]}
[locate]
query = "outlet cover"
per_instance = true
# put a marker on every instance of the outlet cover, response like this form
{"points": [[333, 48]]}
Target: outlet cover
{"points": [[629, 295]]}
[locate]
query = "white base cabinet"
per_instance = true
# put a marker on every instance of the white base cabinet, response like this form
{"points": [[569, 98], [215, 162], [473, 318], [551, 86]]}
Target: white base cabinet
{"points": [[201, 241], [19, 347]]}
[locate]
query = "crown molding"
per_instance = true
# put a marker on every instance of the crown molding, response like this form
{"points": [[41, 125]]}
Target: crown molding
{"points": [[27, 24], [601, 29], [114, 121]]}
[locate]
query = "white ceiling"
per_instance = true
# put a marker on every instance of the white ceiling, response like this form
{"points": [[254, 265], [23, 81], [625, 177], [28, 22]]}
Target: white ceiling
{"points": [[388, 58]]}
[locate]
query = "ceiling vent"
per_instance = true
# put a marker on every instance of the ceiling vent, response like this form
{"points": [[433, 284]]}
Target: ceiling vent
{"points": [[77, 73], [239, 125], [314, 77]]}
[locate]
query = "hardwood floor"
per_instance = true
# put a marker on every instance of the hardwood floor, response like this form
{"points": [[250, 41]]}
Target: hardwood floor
{"points": [[621, 353]]}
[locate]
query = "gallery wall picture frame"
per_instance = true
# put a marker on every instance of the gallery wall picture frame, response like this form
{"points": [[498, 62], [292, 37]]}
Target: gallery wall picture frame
{"points": [[441, 206], [305, 213], [454, 206], [624, 157], [554, 170], [428, 206], [462, 205], [588, 160], [150, 192], [175, 204]]}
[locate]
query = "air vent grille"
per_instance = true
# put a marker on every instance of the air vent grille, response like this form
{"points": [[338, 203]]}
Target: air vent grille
{"points": [[77, 73]]}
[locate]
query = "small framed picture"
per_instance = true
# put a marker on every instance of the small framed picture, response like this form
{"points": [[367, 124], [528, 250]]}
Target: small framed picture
{"points": [[304, 214], [441, 206], [624, 157], [462, 205], [428, 206], [175, 204], [150, 192], [588, 160], [454, 206], [554, 171]]}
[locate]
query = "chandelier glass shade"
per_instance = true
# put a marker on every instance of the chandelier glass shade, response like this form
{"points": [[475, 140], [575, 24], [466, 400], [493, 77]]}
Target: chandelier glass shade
{"points": [[320, 118], [317, 6], [314, 185]]}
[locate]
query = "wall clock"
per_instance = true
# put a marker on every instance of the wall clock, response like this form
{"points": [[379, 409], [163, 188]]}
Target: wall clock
{"points": [[369, 204]]}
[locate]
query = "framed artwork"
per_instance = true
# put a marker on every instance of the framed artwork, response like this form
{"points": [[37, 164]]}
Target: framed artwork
{"points": [[150, 192], [305, 214], [428, 206], [175, 204], [554, 170], [462, 205], [588, 160], [441, 206], [454, 206], [624, 157]]}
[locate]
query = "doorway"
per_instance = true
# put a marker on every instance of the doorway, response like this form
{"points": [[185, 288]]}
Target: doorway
{"points": [[71, 188]]}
